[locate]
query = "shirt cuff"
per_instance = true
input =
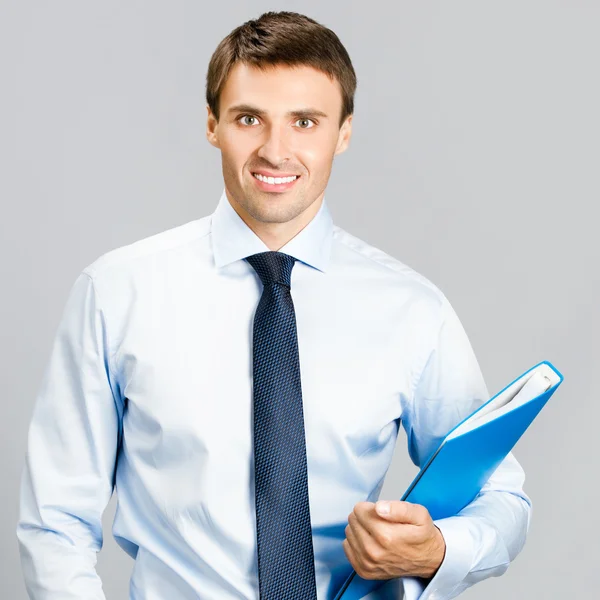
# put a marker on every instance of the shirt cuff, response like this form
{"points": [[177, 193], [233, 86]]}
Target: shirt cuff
{"points": [[454, 568]]}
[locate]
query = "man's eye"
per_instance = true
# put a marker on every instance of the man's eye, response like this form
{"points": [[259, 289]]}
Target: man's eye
{"points": [[247, 117], [306, 121], [309, 122]]}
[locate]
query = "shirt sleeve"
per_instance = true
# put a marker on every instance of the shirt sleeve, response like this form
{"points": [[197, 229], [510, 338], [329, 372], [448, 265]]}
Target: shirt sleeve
{"points": [[68, 476], [484, 537]]}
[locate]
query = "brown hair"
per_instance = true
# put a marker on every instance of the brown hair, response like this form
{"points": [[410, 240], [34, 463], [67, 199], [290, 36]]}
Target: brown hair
{"points": [[286, 38]]}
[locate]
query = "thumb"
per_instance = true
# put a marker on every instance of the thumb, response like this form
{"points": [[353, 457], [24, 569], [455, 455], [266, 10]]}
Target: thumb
{"points": [[396, 510]]}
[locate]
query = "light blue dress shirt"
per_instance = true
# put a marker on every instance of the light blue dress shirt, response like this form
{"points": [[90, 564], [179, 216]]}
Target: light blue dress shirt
{"points": [[148, 390]]}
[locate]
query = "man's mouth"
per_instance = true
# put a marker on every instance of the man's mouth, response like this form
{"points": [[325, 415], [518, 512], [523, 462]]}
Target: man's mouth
{"points": [[275, 180], [275, 184]]}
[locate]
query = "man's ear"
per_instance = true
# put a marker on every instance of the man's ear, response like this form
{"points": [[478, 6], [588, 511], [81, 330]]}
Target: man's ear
{"points": [[344, 135], [212, 126]]}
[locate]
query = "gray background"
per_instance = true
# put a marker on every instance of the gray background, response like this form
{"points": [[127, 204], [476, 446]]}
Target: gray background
{"points": [[474, 159]]}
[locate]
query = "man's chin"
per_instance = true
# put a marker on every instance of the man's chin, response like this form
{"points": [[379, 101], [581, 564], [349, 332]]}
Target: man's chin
{"points": [[267, 210]]}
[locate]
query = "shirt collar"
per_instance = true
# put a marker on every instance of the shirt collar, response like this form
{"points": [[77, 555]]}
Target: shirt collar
{"points": [[233, 240]]}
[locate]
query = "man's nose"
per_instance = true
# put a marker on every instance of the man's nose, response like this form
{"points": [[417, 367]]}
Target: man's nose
{"points": [[276, 147]]}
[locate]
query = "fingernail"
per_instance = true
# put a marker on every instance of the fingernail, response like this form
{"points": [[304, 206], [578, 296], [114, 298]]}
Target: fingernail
{"points": [[383, 508]]}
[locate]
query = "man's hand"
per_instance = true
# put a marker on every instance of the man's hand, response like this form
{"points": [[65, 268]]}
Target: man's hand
{"points": [[404, 542]]}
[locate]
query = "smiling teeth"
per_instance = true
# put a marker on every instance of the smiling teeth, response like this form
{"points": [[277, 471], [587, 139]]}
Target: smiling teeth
{"points": [[275, 180]]}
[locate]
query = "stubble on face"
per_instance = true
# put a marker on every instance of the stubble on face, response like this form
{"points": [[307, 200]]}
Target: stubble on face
{"points": [[248, 148], [267, 207]]}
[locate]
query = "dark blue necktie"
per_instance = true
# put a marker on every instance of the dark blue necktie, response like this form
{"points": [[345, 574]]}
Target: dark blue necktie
{"points": [[286, 569]]}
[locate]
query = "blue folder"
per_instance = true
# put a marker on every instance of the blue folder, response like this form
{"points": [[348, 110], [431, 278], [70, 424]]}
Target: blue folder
{"points": [[457, 470]]}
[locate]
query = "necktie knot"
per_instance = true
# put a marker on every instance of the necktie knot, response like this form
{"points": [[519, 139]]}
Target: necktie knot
{"points": [[273, 267]]}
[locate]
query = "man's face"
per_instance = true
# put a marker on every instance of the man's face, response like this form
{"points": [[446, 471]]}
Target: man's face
{"points": [[282, 121]]}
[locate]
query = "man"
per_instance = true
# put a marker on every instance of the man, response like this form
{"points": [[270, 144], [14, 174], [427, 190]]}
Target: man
{"points": [[241, 378]]}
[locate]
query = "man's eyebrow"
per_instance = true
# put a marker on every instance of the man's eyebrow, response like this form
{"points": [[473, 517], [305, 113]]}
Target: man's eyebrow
{"points": [[301, 112]]}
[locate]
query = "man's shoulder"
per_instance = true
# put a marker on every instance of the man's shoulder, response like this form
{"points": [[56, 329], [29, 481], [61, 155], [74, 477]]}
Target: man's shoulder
{"points": [[374, 259], [139, 252]]}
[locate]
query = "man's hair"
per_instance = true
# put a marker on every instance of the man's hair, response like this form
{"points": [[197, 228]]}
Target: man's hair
{"points": [[282, 38]]}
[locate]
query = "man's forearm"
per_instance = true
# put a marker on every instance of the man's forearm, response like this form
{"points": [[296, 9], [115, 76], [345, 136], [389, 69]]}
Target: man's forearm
{"points": [[54, 568], [67, 479], [481, 541]]}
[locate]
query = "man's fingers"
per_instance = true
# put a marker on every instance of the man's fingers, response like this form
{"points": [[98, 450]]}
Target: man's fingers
{"points": [[349, 552], [365, 520], [355, 533], [364, 516], [403, 512], [351, 546]]}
